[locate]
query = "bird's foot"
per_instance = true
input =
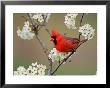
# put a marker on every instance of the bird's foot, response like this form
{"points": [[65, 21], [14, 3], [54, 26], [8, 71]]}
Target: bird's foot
{"points": [[74, 50], [59, 61], [65, 60]]}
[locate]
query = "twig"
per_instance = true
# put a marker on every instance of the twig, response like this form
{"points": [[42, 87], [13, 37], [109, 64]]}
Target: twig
{"points": [[47, 31], [50, 61], [36, 29], [65, 59], [81, 19], [62, 63], [50, 67], [42, 45], [81, 42], [25, 18], [81, 23], [45, 25]]}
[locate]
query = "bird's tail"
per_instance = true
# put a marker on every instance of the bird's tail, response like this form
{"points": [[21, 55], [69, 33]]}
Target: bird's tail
{"points": [[80, 42]]}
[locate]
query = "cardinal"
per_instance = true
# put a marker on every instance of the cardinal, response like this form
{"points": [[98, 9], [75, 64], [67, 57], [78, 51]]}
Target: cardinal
{"points": [[63, 43]]}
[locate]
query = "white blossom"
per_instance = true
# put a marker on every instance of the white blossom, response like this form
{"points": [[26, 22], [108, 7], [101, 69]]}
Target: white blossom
{"points": [[16, 73], [21, 68], [34, 64], [48, 16], [33, 69], [72, 15], [70, 20], [87, 31], [25, 32], [54, 55], [40, 17]]}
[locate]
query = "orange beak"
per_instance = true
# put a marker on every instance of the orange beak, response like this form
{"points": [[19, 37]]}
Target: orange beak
{"points": [[51, 39]]}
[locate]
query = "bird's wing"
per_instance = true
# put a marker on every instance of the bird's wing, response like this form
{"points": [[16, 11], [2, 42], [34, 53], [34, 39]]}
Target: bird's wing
{"points": [[70, 43], [72, 40]]}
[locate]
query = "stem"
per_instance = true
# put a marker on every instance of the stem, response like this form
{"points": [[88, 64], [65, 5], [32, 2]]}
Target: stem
{"points": [[81, 23], [64, 60], [47, 31], [50, 65], [79, 35], [25, 18], [81, 42], [42, 45], [32, 23], [36, 29], [44, 23], [62, 63], [81, 19], [50, 68]]}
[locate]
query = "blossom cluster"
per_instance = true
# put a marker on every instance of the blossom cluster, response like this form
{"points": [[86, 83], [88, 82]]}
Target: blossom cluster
{"points": [[87, 31], [70, 20], [40, 17], [54, 55], [33, 69], [25, 32]]}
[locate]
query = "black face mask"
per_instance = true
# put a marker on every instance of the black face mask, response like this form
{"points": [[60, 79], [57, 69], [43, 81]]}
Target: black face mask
{"points": [[54, 40]]}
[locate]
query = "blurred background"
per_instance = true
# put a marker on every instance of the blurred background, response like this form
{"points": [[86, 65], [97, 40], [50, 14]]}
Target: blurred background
{"points": [[83, 62]]}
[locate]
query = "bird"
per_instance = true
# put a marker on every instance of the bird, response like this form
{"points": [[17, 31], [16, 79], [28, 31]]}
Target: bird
{"points": [[63, 43]]}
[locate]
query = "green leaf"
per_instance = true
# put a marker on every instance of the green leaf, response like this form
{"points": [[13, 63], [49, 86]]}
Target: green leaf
{"points": [[19, 27], [58, 57]]}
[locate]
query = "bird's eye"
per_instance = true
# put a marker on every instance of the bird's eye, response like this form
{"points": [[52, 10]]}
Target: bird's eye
{"points": [[52, 36]]}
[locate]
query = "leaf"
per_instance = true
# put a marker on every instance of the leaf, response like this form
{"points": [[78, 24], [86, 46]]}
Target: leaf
{"points": [[58, 57]]}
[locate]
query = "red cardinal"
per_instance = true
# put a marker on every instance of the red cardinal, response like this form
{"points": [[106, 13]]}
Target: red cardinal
{"points": [[63, 43]]}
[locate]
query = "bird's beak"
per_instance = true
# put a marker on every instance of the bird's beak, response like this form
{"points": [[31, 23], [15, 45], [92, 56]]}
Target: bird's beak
{"points": [[51, 39]]}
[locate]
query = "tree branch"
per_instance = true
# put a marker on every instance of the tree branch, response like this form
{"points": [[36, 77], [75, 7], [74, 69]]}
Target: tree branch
{"points": [[81, 42], [81, 23], [36, 29], [81, 19], [45, 25], [65, 59], [50, 61]]}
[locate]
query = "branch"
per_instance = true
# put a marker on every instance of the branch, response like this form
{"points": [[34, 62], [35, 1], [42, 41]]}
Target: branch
{"points": [[62, 62], [36, 29], [25, 18], [81, 23], [42, 45], [65, 59], [81, 42], [45, 25], [50, 61], [81, 19]]}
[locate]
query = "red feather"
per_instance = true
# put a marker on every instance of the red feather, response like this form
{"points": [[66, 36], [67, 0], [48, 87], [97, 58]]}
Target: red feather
{"points": [[63, 43]]}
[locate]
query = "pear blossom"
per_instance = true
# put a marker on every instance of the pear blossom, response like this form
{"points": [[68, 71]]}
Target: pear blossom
{"points": [[87, 31], [55, 55], [33, 69], [48, 16], [70, 20], [25, 32], [40, 17]]}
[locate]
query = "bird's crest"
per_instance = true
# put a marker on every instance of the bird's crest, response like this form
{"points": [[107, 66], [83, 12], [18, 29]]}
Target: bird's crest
{"points": [[54, 32]]}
